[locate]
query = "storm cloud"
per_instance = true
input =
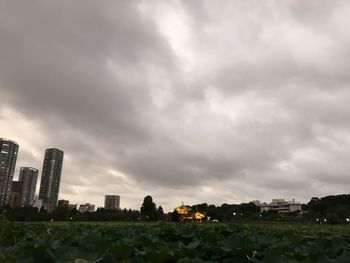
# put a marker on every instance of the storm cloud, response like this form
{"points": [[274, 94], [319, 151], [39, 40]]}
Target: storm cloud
{"points": [[193, 101]]}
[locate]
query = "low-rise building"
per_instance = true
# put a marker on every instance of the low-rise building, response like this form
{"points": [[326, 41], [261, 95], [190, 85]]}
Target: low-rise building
{"points": [[87, 207], [72, 206], [281, 206], [63, 203]]}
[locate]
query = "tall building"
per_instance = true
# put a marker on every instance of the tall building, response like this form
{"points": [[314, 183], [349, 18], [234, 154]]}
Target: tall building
{"points": [[8, 158], [112, 202], [51, 177], [28, 176]]}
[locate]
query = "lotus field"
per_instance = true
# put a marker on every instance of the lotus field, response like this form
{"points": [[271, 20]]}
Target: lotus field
{"points": [[172, 242]]}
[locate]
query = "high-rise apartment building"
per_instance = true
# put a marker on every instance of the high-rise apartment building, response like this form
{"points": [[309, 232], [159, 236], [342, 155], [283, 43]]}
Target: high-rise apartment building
{"points": [[8, 158], [28, 176], [51, 177], [112, 202]]}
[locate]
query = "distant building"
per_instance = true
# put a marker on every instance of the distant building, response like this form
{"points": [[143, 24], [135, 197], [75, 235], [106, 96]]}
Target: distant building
{"points": [[63, 203], [28, 177], [72, 206], [15, 196], [8, 159], [186, 213], [51, 177], [86, 208], [281, 206], [112, 202]]}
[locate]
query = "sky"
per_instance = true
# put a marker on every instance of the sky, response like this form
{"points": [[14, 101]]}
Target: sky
{"points": [[187, 101]]}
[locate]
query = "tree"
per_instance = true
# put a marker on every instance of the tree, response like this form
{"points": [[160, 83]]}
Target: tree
{"points": [[61, 213], [175, 216], [148, 209], [160, 213]]}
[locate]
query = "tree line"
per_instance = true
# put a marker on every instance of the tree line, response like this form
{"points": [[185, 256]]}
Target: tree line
{"points": [[329, 209], [148, 212]]}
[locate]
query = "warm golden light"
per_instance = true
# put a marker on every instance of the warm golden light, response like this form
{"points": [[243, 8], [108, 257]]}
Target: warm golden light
{"points": [[186, 214]]}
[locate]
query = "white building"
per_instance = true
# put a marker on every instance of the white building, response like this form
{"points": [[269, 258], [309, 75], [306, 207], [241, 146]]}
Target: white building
{"points": [[86, 208], [281, 206]]}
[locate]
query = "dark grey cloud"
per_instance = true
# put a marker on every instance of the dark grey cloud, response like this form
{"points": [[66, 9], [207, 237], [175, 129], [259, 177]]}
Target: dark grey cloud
{"points": [[185, 100]]}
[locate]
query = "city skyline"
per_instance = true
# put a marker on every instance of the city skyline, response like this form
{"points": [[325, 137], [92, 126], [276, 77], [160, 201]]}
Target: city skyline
{"points": [[189, 101], [27, 181]]}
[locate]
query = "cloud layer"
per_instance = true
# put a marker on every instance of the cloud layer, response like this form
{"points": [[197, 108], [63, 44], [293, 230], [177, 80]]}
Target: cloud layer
{"points": [[189, 101]]}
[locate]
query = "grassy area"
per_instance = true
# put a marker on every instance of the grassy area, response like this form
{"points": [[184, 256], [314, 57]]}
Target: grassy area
{"points": [[345, 229], [172, 242]]}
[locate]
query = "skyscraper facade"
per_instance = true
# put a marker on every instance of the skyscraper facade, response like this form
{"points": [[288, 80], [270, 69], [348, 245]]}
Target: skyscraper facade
{"points": [[51, 177], [112, 202], [8, 159], [28, 176]]}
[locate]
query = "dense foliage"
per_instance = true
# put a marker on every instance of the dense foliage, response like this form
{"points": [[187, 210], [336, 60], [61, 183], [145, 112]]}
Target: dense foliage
{"points": [[172, 242], [330, 209], [229, 212], [149, 211], [335, 208], [66, 214]]}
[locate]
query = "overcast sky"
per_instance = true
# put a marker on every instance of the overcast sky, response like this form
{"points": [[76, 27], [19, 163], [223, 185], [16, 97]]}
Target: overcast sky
{"points": [[188, 101]]}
